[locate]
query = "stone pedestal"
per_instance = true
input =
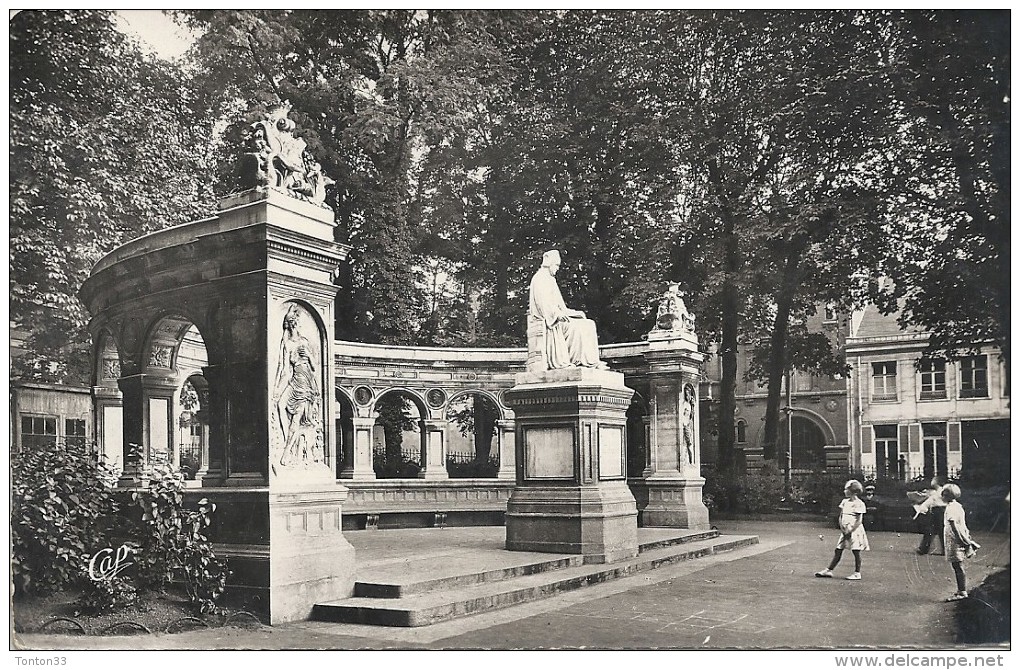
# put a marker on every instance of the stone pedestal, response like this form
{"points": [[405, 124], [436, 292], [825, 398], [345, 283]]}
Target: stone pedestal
{"points": [[571, 458], [669, 491]]}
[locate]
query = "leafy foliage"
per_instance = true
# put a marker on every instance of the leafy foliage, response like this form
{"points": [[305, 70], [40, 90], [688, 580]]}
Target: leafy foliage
{"points": [[474, 469], [751, 492], [62, 505], [102, 139], [171, 540], [106, 595], [953, 88]]}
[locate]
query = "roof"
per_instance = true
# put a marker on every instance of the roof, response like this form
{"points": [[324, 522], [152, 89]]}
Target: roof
{"points": [[875, 324]]}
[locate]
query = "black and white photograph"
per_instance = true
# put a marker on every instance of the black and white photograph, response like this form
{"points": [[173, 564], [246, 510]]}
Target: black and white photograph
{"points": [[667, 330]]}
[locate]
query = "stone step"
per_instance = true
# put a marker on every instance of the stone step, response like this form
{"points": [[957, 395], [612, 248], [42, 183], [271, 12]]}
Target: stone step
{"points": [[386, 582], [687, 536], [430, 607], [378, 589]]}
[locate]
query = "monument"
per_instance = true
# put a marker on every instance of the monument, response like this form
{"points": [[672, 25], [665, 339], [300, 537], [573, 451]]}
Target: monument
{"points": [[670, 490], [571, 494], [256, 281]]}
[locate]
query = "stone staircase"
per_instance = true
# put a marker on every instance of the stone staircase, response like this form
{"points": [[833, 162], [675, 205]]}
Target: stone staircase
{"points": [[429, 590]]}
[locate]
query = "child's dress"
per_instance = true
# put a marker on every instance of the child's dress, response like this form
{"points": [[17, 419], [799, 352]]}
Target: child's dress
{"points": [[848, 511], [956, 551]]}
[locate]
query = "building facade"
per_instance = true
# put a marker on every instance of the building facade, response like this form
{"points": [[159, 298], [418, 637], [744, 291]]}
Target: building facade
{"points": [[45, 413], [819, 407], [914, 419]]}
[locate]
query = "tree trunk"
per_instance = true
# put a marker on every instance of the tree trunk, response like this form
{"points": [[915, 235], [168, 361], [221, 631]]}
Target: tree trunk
{"points": [[485, 420], [500, 233], [778, 358], [728, 352]]}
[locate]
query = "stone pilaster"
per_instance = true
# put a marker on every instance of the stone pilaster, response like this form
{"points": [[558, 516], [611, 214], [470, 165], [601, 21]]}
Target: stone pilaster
{"points": [[360, 466], [506, 435], [433, 458], [670, 488], [571, 458]]}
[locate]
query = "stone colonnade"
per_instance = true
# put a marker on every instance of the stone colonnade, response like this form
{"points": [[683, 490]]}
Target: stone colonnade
{"points": [[255, 282]]}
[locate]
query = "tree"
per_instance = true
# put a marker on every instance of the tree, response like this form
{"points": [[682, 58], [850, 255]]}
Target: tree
{"points": [[102, 137], [953, 93], [376, 90], [787, 128]]}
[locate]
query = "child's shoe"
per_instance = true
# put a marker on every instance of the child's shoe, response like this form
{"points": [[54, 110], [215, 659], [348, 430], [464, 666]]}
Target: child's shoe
{"points": [[854, 576], [824, 573], [959, 595]]}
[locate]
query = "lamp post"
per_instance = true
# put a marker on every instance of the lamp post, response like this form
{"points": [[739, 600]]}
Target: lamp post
{"points": [[789, 428]]}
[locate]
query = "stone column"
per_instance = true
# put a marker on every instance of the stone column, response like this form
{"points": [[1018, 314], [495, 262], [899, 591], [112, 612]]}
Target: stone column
{"points": [[433, 458], [133, 404], [109, 424], [203, 418], [360, 467], [571, 459], [672, 483], [506, 434], [216, 416], [148, 432]]}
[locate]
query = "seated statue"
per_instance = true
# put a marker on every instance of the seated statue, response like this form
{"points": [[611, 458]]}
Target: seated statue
{"points": [[562, 337]]}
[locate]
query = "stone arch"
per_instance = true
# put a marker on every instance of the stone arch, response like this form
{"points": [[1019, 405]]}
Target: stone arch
{"points": [[811, 433], [192, 414], [415, 397], [344, 420], [163, 339], [637, 438], [489, 395], [392, 459], [172, 352], [473, 453]]}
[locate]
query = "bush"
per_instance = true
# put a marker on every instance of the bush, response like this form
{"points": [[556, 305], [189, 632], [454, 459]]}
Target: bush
{"points": [[472, 469], [398, 467], [172, 541], [62, 504], [763, 489], [751, 492], [106, 595]]}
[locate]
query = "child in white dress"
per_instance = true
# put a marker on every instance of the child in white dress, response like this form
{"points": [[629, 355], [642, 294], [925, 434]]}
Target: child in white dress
{"points": [[956, 538], [851, 524]]}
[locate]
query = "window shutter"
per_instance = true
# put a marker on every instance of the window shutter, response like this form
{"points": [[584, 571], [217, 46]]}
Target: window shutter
{"points": [[903, 440], [953, 436], [915, 437], [867, 439]]}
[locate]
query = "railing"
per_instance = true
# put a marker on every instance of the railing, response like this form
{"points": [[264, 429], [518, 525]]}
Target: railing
{"points": [[907, 474], [469, 457], [190, 458]]}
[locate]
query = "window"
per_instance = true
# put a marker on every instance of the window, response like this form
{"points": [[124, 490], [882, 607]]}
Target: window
{"points": [[37, 431], [741, 431], [74, 432], [883, 380], [804, 381], [887, 451], [933, 445], [974, 377], [830, 313], [933, 380]]}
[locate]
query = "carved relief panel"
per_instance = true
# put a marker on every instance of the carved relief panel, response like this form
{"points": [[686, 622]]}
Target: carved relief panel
{"points": [[297, 402]]}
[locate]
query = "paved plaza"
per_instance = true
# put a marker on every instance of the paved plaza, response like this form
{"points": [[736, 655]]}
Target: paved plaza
{"points": [[759, 597]]}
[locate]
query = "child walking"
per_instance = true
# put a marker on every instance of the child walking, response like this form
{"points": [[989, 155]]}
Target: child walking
{"points": [[851, 523], [956, 538]]}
